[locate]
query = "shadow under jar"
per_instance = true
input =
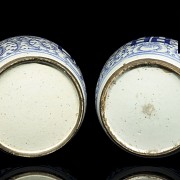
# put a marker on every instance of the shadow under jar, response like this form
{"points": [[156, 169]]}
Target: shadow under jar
{"points": [[42, 96], [138, 97]]}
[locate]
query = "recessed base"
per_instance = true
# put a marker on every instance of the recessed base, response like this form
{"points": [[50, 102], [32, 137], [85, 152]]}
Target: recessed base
{"points": [[40, 109], [141, 109]]}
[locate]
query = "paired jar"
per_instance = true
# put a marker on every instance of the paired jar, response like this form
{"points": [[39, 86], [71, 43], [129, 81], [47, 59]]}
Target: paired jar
{"points": [[43, 96]]}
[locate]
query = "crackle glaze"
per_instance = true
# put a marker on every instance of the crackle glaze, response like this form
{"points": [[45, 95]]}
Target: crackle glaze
{"points": [[42, 96], [138, 96]]}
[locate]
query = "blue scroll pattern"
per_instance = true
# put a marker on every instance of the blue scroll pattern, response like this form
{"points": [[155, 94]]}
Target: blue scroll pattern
{"points": [[142, 46], [22, 44]]}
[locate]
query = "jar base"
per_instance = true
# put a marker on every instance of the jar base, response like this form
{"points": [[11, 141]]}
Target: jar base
{"points": [[40, 107], [140, 107]]}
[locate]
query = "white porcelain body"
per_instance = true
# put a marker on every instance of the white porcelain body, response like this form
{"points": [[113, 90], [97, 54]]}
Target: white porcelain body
{"points": [[38, 57], [140, 65], [32, 46]]}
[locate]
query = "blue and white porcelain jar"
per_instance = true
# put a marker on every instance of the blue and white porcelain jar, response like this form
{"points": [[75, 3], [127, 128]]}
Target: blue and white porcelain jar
{"points": [[42, 96], [138, 97]]}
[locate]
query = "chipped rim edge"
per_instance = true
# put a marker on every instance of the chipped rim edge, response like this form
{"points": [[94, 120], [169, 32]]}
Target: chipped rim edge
{"points": [[119, 72], [58, 66]]}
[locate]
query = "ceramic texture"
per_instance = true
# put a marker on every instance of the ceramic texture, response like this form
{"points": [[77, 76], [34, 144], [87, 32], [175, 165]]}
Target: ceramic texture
{"points": [[38, 176], [143, 173], [30, 45], [43, 96], [36, 173], [137, 96]]}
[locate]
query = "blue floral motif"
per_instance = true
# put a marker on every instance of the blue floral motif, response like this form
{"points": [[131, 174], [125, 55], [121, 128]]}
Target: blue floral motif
{"points": [[147, 45], [21, 44]]}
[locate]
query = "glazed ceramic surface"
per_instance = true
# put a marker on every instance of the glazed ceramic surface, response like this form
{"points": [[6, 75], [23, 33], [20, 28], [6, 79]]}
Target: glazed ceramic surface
{"points": [[138, 96], [144, 173], [42, 96], [38, 176], [145, 177], [35, 173]]}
